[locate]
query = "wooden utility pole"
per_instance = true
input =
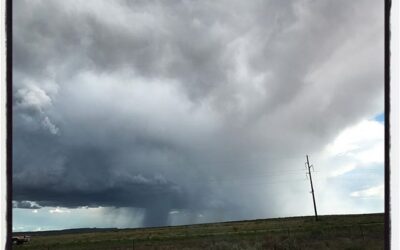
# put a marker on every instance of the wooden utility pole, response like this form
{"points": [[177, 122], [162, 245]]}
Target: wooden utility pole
{"points": [[312, 188]]}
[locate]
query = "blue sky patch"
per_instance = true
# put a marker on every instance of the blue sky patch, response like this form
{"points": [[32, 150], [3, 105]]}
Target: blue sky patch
{"points": [[380, 118]]}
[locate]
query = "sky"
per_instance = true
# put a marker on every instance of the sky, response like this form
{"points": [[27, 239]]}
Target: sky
{"points": [[154, 113]]}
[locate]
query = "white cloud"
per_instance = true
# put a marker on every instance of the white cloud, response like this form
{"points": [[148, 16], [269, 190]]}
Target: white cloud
{"points": [[372, 192], [357, 137], [59, 210], [343, 169], [356, 146], [32, 96], [50, 126], [351, 168], [373, 154]]}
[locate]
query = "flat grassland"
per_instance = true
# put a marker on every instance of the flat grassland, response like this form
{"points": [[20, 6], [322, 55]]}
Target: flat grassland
{"points": [[330, 232]]}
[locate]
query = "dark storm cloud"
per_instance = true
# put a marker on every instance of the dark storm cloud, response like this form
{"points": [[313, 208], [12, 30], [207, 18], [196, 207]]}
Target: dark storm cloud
{"points": [[152, 105]]}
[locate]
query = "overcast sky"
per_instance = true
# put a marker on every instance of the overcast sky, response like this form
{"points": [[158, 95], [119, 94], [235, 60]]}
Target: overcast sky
{"points": [[147, 113]]}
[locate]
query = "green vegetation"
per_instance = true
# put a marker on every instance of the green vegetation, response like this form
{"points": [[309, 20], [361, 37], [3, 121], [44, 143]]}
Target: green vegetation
{"points": [[330, 232]]}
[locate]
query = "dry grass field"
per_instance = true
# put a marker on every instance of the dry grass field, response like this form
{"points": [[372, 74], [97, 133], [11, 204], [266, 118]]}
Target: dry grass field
{"points": [[330, 232]]}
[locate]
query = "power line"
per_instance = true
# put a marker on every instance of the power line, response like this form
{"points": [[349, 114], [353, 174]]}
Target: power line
{"points": [[248, 161], [257, 182], [257, 175]]}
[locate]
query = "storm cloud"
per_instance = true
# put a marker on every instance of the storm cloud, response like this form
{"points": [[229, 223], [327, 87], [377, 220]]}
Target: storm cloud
{"points": [[189, 106]]}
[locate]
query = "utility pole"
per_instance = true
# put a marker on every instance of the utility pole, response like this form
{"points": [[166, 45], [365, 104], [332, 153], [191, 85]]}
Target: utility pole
{"points": [[312, 188]]}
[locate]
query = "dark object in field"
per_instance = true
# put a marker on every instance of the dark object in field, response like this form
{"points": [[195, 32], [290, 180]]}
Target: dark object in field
{"points": [[18, 240]]}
